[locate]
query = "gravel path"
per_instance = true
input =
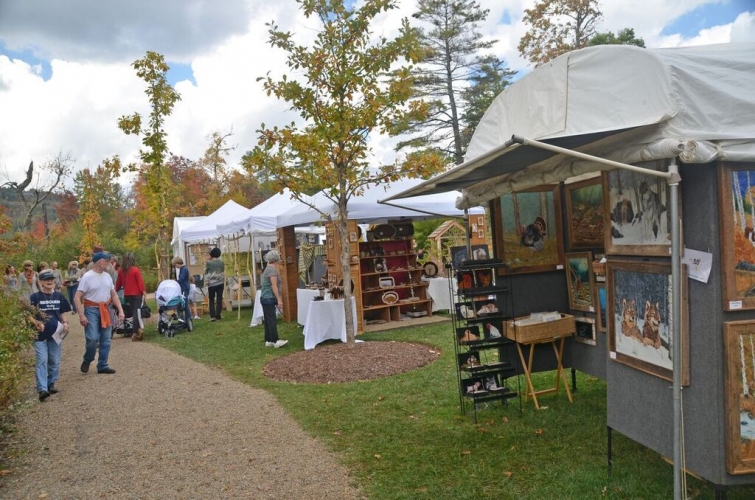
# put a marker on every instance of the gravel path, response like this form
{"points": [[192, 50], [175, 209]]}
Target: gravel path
{"points": [[165, 427]]}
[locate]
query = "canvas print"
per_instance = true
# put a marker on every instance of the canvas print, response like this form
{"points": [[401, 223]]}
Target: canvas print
{"points": [[465, 310], [473, 386], [469, 360], [585, 331], [493, 329], [530, 228], [579, 281], [601, 297], [467, 334], [641, 333], [737, 236], [465, 280], [584, 213], [458, 255], [483, 277], [739, 344], [480, 252], [486, 308], [638, 218]]}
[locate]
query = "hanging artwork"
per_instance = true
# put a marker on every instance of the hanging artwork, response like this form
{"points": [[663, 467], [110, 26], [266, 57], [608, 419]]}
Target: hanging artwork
{"points": [[602, 299], [584, 213], [579, 281], [641, 332], [739, 380], [737, 209], [584, 331], [637, 213], [529, 235]]}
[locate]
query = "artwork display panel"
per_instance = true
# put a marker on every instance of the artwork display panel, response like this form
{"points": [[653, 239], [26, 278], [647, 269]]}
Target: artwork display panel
{"points": [[737, 209], [637, 215], [585, 331], [601, 297], [580, 282], [739, 382], [529, 235], [584, 213], [640, 332]]}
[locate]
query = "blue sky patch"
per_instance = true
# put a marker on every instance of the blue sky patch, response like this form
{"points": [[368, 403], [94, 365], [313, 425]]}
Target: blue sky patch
{"points": [[43, 68], [707, 16], [180, 72]]}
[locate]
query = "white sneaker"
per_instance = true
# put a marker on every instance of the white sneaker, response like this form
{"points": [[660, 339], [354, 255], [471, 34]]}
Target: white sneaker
{"points": [[280, 343], [269, 344], [197, 317]]}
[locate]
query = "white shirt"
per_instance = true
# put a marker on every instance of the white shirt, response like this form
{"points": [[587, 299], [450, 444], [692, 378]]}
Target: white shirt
{"points": [[96, 286]]}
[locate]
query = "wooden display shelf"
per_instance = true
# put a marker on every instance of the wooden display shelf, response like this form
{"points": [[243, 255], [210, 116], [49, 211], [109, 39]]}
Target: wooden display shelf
{"points": [[392, 271]]}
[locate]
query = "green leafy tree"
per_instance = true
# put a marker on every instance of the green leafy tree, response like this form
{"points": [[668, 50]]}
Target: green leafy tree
{"points": [[450, 61], [556, 27], [623, 37], [344, 90], [153, 69]]}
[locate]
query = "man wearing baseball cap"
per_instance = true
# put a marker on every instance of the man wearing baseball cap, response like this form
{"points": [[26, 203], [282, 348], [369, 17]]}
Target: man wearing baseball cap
{"points": [[95, 294]]}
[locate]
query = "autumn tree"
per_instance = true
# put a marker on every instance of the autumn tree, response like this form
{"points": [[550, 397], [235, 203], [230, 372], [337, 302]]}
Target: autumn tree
{"points": [[153, 69], [90, 216], [623, 37], [342, 87], [109, 199], [558, 26], [451, 58]]}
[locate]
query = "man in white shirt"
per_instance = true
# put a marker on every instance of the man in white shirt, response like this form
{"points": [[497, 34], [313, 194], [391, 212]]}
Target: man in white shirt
{"points": [[95, 294]]}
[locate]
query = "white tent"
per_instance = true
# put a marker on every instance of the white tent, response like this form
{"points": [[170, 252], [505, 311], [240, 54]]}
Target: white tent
{"points": [[367, 209], [179, 224], [206, 229], [260, 218], [619, 102]]}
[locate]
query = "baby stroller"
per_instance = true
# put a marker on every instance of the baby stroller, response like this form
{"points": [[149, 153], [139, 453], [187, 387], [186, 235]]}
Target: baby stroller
{"points": [[171, 309], [125, 327]]}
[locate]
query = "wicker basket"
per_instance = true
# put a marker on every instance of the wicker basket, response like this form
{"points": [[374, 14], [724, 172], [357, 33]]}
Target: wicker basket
{"points": [[537, 332]]}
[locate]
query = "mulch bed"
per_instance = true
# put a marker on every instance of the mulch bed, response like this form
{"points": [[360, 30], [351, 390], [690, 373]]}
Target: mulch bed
{"points": [[340, 362]]}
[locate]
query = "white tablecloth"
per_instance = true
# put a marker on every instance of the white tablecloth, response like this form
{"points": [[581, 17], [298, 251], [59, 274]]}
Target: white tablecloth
{"points": [[304, 297], [257, 315], [326, 320], [438, 291]]}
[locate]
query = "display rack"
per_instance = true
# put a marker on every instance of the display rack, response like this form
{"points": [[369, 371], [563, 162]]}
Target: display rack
{"points": [[391, 284], [484, 303]]}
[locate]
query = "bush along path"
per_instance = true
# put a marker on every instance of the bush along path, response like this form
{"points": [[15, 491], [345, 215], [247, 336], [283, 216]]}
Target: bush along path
{"points": [[163, 426]]}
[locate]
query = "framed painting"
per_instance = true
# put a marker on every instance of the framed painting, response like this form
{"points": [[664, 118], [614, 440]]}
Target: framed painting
{"points": [[528, 230], [637, 218], [737, 209], [585, 331], [579, 281], [458, 255], [739, 384], [602, 305], [479, 252], [584, 213], [640, 332]]}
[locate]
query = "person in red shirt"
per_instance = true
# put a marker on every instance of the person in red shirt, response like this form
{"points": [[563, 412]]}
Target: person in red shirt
{"points": [[130, 279]]}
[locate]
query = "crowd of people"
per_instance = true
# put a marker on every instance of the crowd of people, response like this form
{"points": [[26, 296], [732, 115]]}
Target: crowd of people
{"points": [[96, 290]]}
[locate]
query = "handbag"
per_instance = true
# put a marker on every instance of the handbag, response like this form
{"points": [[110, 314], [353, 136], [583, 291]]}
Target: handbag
{"points": [[145, 311]]}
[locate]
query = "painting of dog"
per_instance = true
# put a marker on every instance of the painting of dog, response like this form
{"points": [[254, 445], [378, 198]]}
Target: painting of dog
{"points": [[651, 325], [629, 319]]}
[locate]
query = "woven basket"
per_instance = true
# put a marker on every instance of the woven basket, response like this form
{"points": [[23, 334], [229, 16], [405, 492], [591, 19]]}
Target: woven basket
{"points": [[537, 332]]}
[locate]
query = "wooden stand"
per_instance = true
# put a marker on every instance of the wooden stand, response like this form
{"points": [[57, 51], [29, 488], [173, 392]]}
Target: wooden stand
{"points": [[527, 367]]}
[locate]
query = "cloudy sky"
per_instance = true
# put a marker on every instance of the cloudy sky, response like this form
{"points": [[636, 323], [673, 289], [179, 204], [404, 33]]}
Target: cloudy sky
{"points": [[65, 74]]}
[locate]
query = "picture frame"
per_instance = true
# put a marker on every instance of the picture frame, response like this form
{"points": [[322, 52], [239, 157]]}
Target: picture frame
{"points": [[493, 329], [468, 334], [737, 236], [584, 213], [640, 332], [480, 220], [464, 310], [473, 386], [636, 212], [481, 235], [353, 236], [739, 339], [486, 308], [469, 360], [601, 302], [529, 232], [483, 278], [585, 331], [474, 228], [480, 252], [458, 255], [465, 280], [580, 281]]}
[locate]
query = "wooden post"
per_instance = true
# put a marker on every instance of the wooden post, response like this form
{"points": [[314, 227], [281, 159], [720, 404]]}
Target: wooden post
{"points": [[289, 270]]}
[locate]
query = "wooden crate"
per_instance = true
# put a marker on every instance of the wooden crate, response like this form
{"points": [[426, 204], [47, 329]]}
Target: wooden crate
{"points": [[538, 332]]}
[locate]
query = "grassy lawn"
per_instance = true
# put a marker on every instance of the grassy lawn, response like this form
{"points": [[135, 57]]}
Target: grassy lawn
{"points": [[405, 437]]}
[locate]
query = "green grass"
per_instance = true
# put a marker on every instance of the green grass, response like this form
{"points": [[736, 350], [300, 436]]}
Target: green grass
{"points": [[405, 437]]}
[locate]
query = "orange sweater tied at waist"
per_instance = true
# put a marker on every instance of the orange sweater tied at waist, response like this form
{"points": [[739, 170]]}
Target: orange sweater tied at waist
{"points": [[104, 311]]}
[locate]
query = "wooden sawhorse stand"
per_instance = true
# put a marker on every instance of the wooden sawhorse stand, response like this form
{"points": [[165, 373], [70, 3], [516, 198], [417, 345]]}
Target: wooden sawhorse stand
{"points": [[527, 366]]}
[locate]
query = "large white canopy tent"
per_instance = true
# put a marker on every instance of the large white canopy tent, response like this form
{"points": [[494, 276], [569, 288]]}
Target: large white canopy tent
{"points": [[179, 224], [206, 229], [621, 104]]}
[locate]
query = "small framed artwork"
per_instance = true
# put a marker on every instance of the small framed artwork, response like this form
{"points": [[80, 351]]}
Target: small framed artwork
{"points": [[737, 236], [602, 304], [465, 310], [469, 360], [480, 221], [353, 236], [485, 308], [492, 329], [585, 331], [528, 236], [584, 213], [481, 235], [638, 216], [480, 252], [458, 255], [468, 334], [474, 228], [483, 277], [465, 280], [473, 386], [579, 281], [641, 333], [490, 382], [739, 385]]}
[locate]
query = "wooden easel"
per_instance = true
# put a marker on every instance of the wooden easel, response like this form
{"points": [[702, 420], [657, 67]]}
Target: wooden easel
{"points": [[558, 349]]}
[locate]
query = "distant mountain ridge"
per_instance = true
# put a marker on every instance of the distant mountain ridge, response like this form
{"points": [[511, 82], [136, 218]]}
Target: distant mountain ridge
{"points": [[16, 209]]}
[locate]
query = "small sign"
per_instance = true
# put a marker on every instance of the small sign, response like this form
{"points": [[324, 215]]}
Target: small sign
{"points": [[698, 264], [560, 267], [612, 354], [735, 304]]}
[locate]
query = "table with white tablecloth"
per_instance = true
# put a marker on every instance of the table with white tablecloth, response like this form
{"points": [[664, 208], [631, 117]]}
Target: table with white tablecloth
{"points": [[304, 296], [437, 290], [326, 320], [257, 316]]}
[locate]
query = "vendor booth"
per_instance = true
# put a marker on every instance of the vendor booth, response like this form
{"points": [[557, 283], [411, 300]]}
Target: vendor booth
{"points": [[554, 158]]}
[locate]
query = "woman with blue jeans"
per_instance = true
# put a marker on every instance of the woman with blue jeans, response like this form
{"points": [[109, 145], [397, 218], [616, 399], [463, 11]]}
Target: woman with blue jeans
{"points": [[71, 280]]}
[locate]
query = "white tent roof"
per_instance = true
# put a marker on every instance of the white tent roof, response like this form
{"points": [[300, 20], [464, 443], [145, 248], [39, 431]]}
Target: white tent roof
{"points": [[262, 217], [620, 102], [206, 228], [368, 209], [179, 224]]}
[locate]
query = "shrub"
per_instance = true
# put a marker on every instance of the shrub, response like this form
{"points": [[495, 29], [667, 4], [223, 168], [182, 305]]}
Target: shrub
{"points": [[16, 336]]}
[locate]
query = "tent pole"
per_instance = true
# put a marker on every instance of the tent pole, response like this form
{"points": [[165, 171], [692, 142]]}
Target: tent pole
{"points": [[676, 307]]}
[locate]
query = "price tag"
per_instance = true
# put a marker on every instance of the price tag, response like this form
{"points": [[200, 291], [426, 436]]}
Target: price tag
{"points": [[735, 304], [612, 354], [698, 264]]}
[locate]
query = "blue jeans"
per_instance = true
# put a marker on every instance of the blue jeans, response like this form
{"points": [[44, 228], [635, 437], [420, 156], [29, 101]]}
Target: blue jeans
{"points": [[95, 334], [71, 292], [47, 368]]}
